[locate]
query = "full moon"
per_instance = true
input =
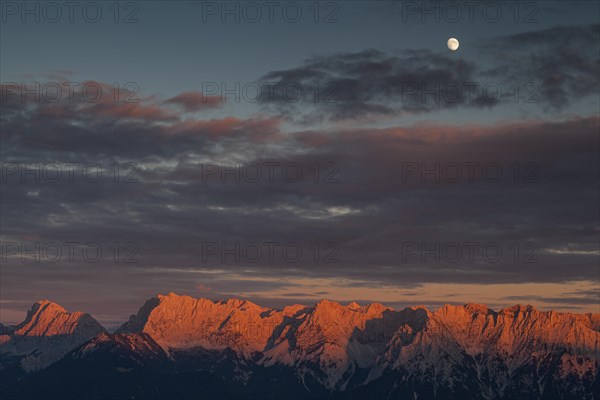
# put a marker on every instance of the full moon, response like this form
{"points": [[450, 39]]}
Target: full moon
{"points": [[453, 44]]}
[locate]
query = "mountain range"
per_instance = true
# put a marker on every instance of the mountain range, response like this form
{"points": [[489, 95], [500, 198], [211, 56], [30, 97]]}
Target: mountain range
{"points": [[182, 347]]}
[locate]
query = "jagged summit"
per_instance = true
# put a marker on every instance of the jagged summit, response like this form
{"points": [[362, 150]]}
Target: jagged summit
{"points": [[47, 334], [325, 303], [233, 302], [330, 345], [47, 304], [46, 318], [353, 306], [341, 338]]}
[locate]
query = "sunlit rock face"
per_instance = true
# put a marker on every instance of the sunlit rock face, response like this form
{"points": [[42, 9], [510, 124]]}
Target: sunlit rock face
{"points": [[47, 334], [328, 350], [331, 344]]}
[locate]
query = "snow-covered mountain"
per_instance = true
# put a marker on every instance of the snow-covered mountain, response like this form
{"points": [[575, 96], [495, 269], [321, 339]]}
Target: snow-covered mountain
{"points": [[47, 334], [181, 345]]}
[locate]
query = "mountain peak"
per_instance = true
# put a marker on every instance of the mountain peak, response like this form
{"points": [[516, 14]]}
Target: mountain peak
{"points": [[327, 343], [46, 318], [47, 306], [170, 296], [48, 333], [325, 304], [353, 306], [239, 303]]}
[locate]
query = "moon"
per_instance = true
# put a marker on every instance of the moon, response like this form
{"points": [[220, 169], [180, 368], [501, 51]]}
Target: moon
{"points": [[453, 44]]}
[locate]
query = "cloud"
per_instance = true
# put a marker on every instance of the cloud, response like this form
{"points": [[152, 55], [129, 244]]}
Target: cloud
{"points": [[584, 300], [194, 101], [551, 68], [563, 61], [173, 208], [372, 82], [105, 129], [547, 195]]}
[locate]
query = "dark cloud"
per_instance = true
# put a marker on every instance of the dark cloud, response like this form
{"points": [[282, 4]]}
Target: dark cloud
{"points": [[79, 129], [563, 62], [364, 193], [372, 82], [553, 68], [361, 220]]}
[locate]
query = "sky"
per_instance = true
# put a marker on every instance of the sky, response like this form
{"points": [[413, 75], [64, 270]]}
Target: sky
{"points": [[289, 151]]}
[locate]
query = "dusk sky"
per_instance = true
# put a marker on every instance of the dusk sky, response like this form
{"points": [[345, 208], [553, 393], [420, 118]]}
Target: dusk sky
{"points": [[342, 153]]}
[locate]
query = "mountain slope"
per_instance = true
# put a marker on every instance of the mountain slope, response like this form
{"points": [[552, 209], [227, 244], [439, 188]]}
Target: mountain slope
{"points": [[517, 351], [179, 345], [332, 347], [46, 335]]}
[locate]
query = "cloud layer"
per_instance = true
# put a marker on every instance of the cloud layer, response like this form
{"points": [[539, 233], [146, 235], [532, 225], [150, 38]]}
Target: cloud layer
{"points": [[367, 206]]}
